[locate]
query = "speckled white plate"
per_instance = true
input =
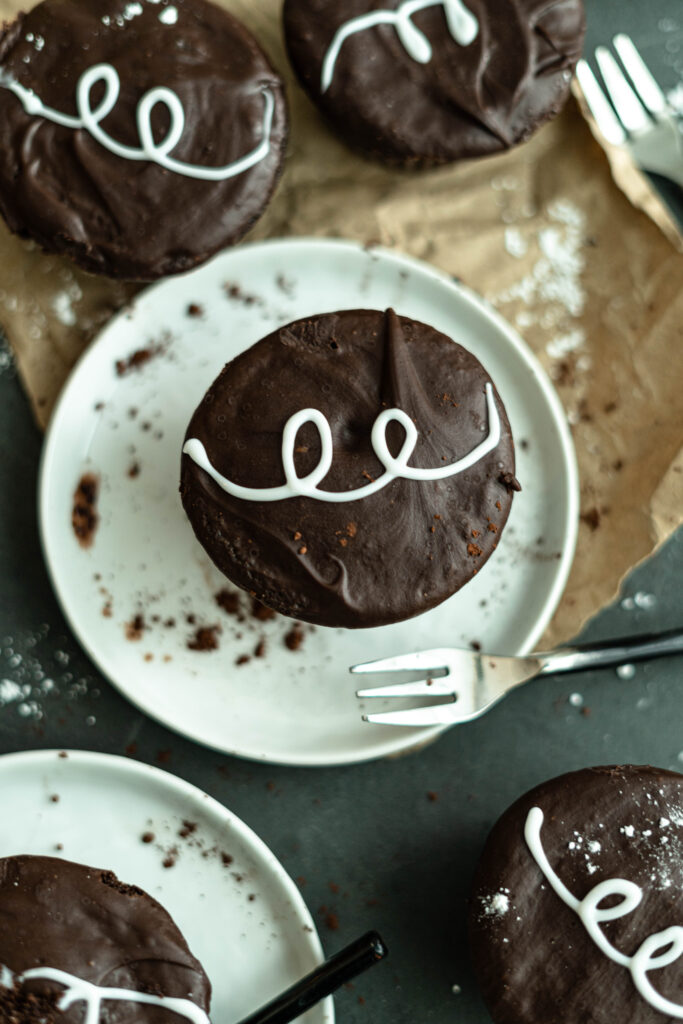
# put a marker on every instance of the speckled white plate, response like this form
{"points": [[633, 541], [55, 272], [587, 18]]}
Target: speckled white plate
{"points": [[295, 707], [245, 921]]}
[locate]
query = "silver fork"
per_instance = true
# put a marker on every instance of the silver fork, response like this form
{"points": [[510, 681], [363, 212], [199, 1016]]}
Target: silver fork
{"points": [[474, 682], [639, 117]]}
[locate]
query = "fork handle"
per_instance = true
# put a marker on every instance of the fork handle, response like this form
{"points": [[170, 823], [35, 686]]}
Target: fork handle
{"points": [[611, 652]]}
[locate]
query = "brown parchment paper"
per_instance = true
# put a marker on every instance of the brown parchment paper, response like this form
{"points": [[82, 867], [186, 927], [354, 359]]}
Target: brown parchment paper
{"points": [[592, 284]]}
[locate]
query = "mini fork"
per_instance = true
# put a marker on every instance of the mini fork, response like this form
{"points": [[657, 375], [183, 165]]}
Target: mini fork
{"points": [[639, 118], [470, 683]]}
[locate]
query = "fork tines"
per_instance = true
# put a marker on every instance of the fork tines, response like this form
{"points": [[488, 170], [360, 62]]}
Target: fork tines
{"points": [[436, 685], [636, 102]]}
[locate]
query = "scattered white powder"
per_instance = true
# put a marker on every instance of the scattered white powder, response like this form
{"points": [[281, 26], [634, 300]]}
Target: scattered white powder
{"points": [[515, 243], [132, 10], [552, 292], [37, 41], [563, 344], [169, 15], [628, 830], [496, 905], [33, 672], [62, 306], [594, 846], [9, 691], [639, 600], [6, 362], [30, 709], [626, 671]]}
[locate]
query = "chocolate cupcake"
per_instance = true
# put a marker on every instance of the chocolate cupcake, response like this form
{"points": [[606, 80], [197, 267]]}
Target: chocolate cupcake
{"points": [[352, 469], [577, 910], [425, 82], [72, 937], [137, 138]]}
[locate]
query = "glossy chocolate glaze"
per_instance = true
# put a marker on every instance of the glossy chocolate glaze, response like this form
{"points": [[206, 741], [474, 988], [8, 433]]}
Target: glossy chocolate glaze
{"points": [[116, 216], [468, 101], [535, 961], [84, 921], [369, 562]]}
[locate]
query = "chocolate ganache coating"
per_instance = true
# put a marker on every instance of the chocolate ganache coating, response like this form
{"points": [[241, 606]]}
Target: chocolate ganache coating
{"points": [[120, 216], [485, 85], [535, 960], [384, 557], [84, 921]]}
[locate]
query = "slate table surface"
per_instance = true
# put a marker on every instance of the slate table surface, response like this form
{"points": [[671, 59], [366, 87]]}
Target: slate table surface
{"points": [[399, 839]]}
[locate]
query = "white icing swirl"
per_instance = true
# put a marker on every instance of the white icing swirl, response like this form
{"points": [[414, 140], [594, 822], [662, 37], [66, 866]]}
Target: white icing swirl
{"points": [[655, 952], [395, 468], [155, 152], [76, 990], [462, 25]]}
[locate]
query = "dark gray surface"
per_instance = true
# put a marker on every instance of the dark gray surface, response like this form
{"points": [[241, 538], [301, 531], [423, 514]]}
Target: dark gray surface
{"points": [[402, 861]]}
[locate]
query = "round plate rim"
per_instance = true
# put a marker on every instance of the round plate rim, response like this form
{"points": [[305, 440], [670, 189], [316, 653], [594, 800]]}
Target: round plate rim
{"points": [[477, 304], [45, 758]]}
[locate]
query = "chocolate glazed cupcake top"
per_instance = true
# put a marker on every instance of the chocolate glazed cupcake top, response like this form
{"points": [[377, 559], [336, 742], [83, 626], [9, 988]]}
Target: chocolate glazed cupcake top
{"points": [[72, 937], [577, 912], [353, 469], [431, 81], [138, 138]]}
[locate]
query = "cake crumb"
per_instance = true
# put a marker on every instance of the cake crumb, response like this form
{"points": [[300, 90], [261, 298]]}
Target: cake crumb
{"points": [[204, 639], [135, 628], [295, 638], [84, 517], [136, 360], [510, 482]]}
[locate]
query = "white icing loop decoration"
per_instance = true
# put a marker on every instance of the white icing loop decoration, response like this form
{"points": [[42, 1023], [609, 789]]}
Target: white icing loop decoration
{"points": [[395, 468], [77, 990], [91, 119], [462, 25], [655, 952]]}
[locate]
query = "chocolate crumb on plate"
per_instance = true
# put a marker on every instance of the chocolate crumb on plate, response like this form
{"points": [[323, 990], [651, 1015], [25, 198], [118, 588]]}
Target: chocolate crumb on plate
{"points": [[229, 601], [205, 639], [294, 638], [135, 628], [137, 359], [85, 518]]}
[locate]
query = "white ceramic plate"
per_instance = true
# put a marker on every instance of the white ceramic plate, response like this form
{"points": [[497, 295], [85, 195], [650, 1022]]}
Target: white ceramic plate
{"points": [[295, 707], [251, 949]]}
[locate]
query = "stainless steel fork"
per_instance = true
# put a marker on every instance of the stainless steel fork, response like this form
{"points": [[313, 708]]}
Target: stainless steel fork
{"points": [[471, 683], [639, 117]]}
